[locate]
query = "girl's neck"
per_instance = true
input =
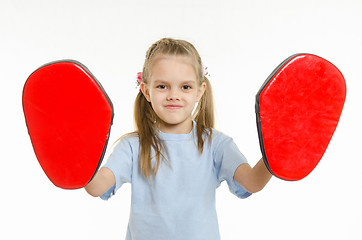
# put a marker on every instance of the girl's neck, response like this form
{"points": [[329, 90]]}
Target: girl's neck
{"points": [[181, 128]]}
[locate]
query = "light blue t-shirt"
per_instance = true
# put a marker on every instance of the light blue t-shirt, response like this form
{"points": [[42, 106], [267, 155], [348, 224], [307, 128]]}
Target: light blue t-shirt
{"points": [[179, 203]]}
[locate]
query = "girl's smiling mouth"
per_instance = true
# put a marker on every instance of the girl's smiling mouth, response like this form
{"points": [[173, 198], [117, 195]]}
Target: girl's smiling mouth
{"points": [[173, 106]]}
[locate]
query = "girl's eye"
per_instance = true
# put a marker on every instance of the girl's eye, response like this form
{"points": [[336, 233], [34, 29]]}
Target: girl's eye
{"points": [[186, 87], [161, 86]]}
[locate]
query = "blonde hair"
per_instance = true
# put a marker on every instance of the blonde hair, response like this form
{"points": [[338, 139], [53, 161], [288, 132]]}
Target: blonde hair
{"points": [[145, 117]]}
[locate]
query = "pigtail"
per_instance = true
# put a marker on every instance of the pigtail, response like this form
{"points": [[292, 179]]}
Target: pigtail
{"points": [[145, 119], [204, 116]]}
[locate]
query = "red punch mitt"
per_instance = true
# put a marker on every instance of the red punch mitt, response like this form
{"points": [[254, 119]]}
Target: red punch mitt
{"points": [[297, 109], [69, 116]]}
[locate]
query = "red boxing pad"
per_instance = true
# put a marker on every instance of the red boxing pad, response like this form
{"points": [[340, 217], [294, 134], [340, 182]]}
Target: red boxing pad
{"points": [[298, 109], [69, 117]]}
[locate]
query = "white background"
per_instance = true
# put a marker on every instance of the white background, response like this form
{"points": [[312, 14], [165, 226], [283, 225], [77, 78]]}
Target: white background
{"points": [[240, 42]]}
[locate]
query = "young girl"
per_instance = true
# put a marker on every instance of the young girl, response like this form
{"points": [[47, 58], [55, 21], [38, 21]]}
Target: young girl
{"points": [[175, 160]]}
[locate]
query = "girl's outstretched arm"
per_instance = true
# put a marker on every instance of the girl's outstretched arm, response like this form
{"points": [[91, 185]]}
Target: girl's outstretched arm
{"points": [[252, 179], [102, 181]]}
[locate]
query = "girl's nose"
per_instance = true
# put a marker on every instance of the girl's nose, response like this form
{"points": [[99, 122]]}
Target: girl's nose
{"points": [[173, 95]]}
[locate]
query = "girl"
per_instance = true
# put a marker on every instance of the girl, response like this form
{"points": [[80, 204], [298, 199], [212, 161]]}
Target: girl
{"points": [[175, 160]]}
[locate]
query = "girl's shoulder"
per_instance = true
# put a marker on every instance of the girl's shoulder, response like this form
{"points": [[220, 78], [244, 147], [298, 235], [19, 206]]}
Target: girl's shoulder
{"points": [[128, 139], [219, 138], [218, 134], [130, 136]]}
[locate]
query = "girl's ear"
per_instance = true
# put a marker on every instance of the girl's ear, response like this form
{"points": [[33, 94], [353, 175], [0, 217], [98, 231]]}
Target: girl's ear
{"points": [[145, 91], [201, 91]]}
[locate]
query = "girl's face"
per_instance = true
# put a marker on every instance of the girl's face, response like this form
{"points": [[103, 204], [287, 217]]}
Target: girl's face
{"points": [[173, 90]]}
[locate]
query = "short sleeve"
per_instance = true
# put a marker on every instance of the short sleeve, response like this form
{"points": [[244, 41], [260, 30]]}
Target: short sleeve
{"points": [[227, 159], [120, 163]]}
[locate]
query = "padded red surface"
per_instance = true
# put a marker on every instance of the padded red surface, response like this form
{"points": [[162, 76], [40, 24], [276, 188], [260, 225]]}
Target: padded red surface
{"points": [[69, 116], [298, 109]]}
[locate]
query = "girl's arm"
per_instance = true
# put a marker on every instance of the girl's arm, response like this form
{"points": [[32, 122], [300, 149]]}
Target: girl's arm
{"points": [[252, 179], [102, 181]]}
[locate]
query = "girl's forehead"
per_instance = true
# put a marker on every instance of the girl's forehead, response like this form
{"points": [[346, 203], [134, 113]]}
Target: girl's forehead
{"points": [[180, 66]]}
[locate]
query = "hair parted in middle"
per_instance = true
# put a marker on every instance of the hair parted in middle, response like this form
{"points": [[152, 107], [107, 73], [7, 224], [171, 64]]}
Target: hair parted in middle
{"points": [[145, 117]]}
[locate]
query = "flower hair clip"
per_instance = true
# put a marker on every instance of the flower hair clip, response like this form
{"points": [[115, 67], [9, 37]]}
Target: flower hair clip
{"points": [[139, 80], [205, 72]]}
